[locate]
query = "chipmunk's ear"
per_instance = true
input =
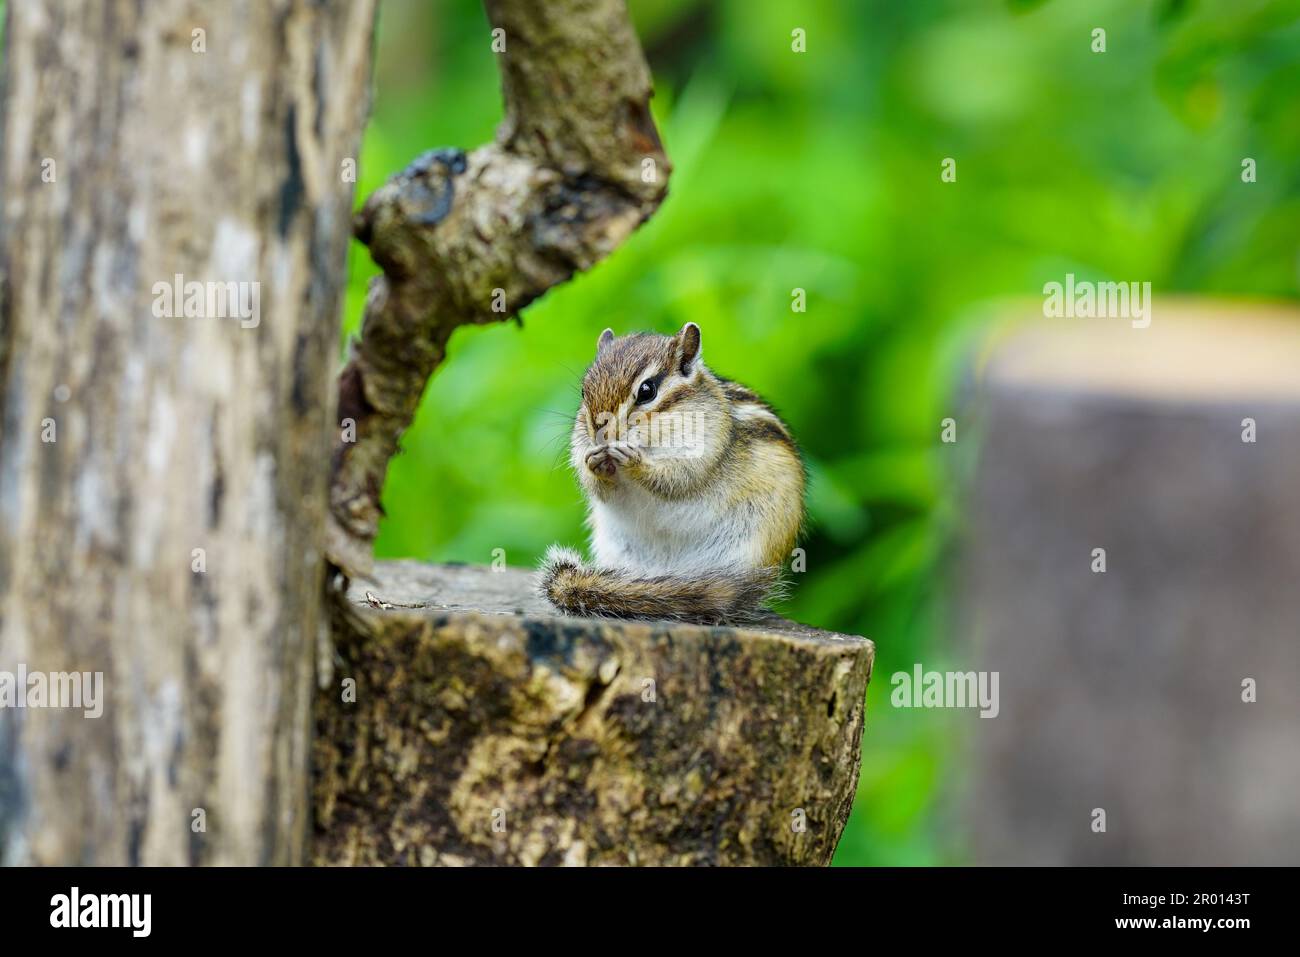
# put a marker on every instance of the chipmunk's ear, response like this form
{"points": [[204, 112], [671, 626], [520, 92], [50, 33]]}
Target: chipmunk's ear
{"points": [[688, 348], [603, 342]]}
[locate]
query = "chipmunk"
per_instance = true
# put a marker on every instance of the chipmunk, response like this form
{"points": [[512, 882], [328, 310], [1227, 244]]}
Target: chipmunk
{"points": [[694, 486]]}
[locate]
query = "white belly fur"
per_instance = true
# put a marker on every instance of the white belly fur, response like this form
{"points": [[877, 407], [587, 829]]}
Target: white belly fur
{"points": [[636, 531]]}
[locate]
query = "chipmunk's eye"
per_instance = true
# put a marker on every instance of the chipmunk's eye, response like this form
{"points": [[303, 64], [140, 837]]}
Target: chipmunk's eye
{"points": [[646, 392]]}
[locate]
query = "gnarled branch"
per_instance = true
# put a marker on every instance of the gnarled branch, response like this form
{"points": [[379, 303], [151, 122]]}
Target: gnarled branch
{"points": [[462, 238]]}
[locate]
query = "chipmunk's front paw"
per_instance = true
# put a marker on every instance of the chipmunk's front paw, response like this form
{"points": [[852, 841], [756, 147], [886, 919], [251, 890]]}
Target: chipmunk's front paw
{"points": [[604, 461], [600, 463], [624, 454]]}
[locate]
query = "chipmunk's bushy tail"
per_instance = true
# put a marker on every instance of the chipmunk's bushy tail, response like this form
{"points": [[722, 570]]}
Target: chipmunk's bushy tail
{"points": [[716, 598]]}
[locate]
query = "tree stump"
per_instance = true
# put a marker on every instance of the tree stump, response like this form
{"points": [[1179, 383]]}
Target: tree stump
{"points": [[1127, 691], [487, 729]]}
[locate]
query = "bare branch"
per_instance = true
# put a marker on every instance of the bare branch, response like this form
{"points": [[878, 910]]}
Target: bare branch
{"points": [[576, 166]]}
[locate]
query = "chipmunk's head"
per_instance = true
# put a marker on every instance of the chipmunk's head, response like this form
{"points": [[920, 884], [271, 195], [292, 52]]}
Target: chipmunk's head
{"points": [[650, 410]]}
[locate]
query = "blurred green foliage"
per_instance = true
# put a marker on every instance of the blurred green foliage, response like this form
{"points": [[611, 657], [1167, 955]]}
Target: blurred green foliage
{"points": [[821, 171]]}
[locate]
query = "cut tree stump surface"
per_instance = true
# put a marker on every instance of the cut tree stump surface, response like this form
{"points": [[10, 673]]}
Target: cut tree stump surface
{"points": [[488, 729]]}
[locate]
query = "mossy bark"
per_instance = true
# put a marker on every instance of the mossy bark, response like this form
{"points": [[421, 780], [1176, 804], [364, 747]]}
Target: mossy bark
{"points": [[485, 729]]}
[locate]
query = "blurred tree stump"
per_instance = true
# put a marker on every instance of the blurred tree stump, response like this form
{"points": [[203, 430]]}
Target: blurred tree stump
{"points": [[1123, 690], [485, 729]]}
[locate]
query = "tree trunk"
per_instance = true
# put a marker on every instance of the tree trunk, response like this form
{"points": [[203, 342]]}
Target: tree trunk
{"points": [[162, 482]]}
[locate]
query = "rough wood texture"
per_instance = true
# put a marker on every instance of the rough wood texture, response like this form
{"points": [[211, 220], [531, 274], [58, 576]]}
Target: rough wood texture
{"points": [[1123, 690], [487, 730], [473, 238], [172, 434]]}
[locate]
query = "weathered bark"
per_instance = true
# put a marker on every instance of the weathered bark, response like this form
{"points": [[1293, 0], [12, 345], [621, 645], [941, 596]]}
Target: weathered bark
{"points": [[472, 238], [172, 434], [485, 729], [1123, 690]]}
